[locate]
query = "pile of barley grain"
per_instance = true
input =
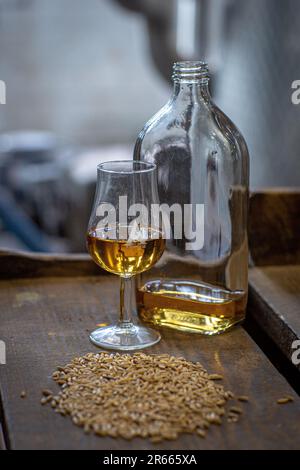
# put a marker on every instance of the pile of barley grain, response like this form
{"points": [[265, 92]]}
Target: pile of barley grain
{"points": [[150, 396]]}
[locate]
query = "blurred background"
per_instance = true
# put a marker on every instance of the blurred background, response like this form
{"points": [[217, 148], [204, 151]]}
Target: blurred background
{"points": [[82, 78]]}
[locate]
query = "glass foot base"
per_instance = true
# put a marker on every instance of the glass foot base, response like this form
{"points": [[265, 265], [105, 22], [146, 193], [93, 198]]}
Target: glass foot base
{"points": [[126, 338]]}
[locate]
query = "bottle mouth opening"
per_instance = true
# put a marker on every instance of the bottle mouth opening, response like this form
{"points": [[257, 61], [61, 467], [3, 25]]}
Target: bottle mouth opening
{"points": [[190, 71], [126, 167]]}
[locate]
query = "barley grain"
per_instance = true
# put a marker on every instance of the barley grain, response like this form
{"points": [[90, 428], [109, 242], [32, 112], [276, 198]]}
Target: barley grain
{"points": [[149, 396], [284, 400], [215, 377], [236, 410], [243, 398]]}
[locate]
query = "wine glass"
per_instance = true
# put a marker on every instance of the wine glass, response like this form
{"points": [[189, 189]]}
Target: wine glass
{"points": [[124, 239]]}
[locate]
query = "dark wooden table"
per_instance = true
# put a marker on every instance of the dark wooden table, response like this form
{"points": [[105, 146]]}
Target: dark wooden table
{"points": [[274, 238], [48, 306]]}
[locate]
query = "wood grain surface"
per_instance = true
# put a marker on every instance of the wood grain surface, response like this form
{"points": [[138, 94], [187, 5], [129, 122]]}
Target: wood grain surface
{"points": [[274, 282], [274, 303], [274, 227], [45, 322], [2, 440]]}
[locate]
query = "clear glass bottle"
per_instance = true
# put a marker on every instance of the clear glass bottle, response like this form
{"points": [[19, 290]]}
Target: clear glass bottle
{"points": [[202, 159]]}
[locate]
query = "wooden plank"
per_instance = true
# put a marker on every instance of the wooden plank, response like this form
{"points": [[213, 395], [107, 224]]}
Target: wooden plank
{"points": [[20, 264], [274, 227], [274, 290], [2, 440], [45, 323], [274, 303]]}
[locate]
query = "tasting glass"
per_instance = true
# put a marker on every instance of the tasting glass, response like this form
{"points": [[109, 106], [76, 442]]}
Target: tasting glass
{"points": [[123, 239]]}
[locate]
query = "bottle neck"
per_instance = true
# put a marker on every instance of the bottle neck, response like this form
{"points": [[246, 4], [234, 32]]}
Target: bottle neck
{"points": [[191, 81]]}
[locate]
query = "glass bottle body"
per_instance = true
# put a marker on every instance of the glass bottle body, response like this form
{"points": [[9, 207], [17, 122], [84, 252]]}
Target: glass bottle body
{"points": [[202, 159]]}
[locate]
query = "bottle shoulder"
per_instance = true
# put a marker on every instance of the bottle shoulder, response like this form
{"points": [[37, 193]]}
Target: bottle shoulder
{"points": [[229, 130], [178, 125], [160, 116]]}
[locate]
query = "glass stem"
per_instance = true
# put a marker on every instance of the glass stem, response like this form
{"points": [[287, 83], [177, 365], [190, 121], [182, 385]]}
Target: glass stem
{"points": [[126, 302]]}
